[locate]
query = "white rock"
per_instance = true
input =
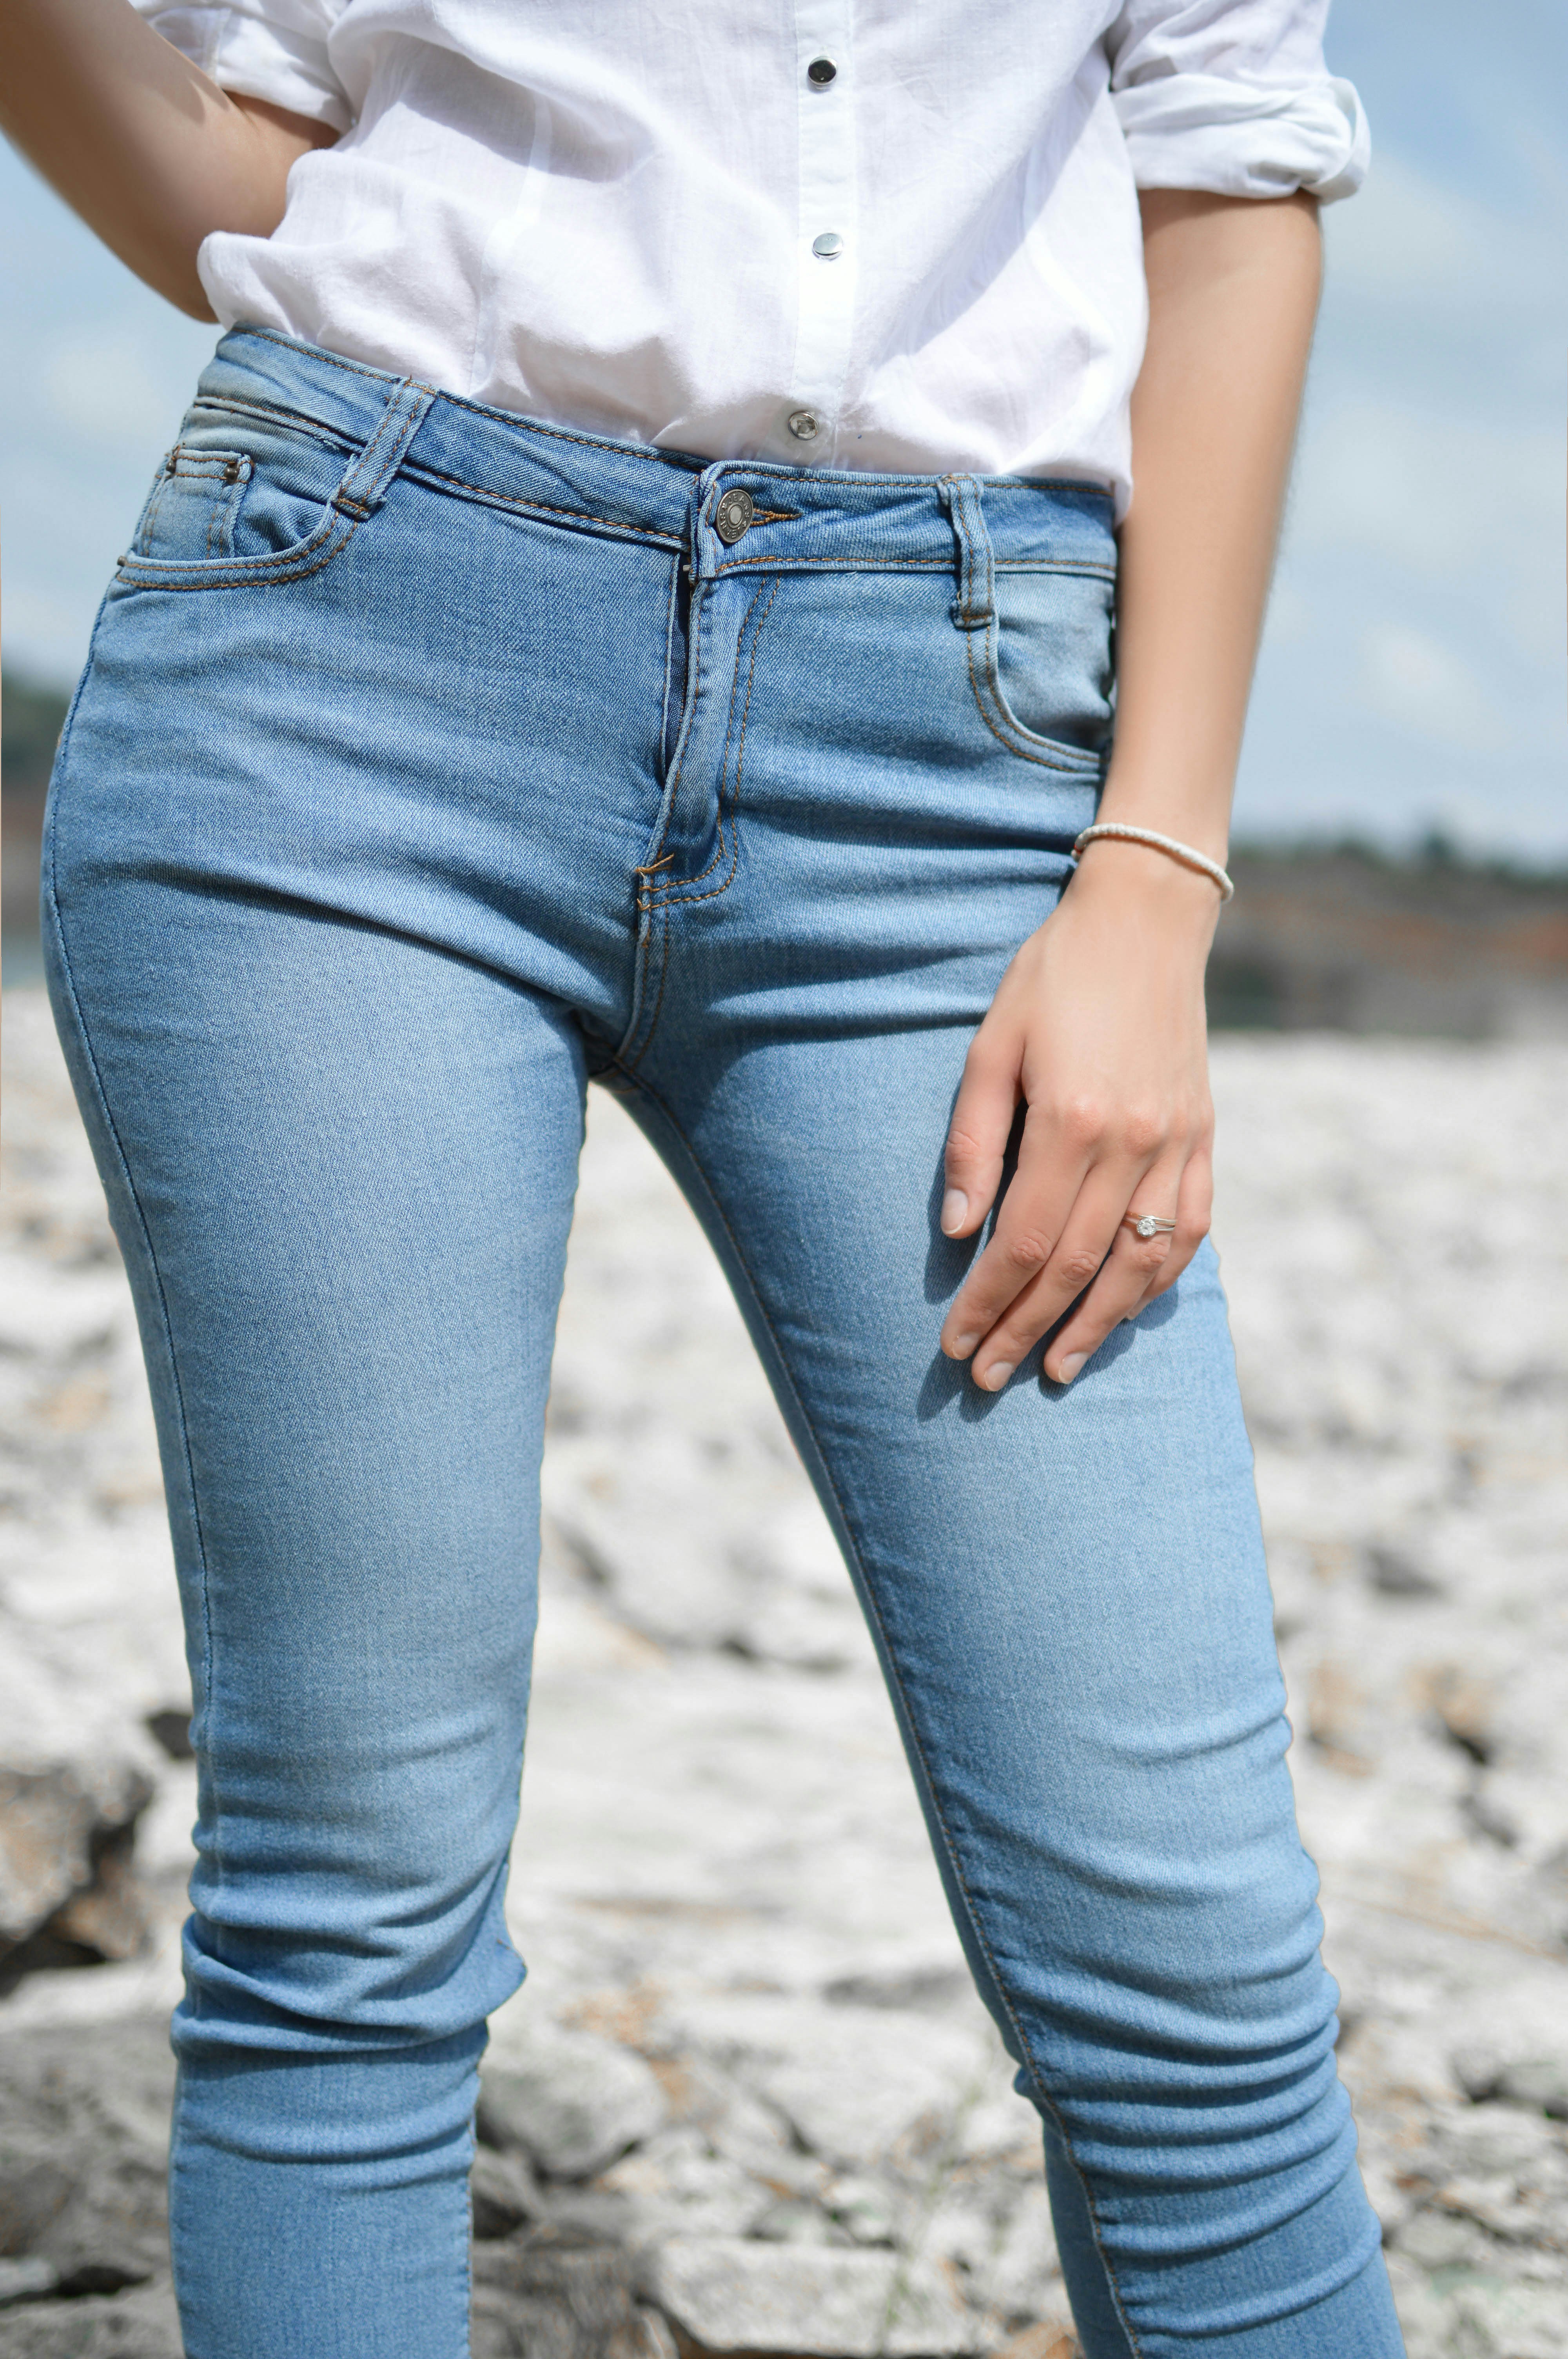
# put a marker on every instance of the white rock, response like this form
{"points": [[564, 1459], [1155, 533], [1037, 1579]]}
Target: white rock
{"points": [[571, 2101], [732, 2296], [1506, 2321]]}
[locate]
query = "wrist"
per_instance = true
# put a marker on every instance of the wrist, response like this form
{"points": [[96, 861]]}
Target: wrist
{"points": [[1119, 871]]}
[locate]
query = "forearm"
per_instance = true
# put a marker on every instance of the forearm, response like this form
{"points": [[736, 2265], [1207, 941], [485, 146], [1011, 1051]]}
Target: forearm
{"points": [[140, 142], [1233, 287]]}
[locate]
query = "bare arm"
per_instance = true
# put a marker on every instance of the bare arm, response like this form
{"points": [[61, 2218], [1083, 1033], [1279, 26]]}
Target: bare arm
{"points": [[1098, 1026], [138, 141]]}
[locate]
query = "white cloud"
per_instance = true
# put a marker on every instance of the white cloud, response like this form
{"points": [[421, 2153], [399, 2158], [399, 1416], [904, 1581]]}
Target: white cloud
{"points": [[1403, 235], [1414, 681], [1409, 240]]}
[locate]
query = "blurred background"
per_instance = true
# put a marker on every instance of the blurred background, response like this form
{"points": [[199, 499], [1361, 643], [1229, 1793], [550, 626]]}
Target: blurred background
{"points": [[1411, 700]]}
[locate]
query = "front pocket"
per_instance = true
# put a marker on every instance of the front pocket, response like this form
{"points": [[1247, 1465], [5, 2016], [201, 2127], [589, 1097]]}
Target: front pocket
{"points": [[1041, 664], [242, 500]]}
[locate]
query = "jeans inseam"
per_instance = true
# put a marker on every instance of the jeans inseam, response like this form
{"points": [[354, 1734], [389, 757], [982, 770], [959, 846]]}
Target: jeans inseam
{"points": [[1044, 2101]]}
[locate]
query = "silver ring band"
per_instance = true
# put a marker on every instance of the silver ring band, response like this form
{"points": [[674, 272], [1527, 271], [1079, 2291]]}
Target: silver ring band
{"points": [[1148, 1225]]}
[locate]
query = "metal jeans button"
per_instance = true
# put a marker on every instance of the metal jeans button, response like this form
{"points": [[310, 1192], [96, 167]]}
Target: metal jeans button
{"points": [[804, 425], [733, 514], [829, 246]]}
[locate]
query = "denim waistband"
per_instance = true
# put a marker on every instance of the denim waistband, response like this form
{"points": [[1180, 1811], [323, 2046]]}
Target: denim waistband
{"points": [[784, 520]]}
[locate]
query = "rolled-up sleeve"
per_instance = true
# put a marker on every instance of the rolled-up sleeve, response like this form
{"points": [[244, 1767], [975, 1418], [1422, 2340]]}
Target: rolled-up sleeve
{"points": [[275, 49], [1234, 95]]}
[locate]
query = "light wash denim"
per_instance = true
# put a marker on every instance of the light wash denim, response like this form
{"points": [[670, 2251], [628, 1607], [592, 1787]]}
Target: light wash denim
{"points": [[429, 764]]}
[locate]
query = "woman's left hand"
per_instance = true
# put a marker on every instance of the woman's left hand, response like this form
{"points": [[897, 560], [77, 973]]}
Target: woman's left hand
{"points": [[1098, 1028]]}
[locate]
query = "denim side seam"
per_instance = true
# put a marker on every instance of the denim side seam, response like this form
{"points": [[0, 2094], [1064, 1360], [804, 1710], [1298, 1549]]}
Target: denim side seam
{"points": [[1046, 2102], [134, 1198]]}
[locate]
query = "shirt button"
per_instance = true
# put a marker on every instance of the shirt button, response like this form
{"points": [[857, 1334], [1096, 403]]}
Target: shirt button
{"points": [[733, 514], [821, 71], [803, 425], [829, 246]]}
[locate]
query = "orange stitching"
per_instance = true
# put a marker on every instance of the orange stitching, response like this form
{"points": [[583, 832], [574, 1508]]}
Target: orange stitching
{"points": [[268, 570], [729, 733], [740, 765], [259, 568], [254, 406], [775, 563], [291, 343], [672, 900], [1064, 769], [723, 766], [652, 1024], [542, 507], [694, 665]]}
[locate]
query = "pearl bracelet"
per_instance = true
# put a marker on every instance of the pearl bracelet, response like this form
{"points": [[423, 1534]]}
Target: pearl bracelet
{"points": [[1183, 852]]}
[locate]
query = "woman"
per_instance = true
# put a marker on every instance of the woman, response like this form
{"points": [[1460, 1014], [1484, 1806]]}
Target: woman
{"points": [[631, 600]]}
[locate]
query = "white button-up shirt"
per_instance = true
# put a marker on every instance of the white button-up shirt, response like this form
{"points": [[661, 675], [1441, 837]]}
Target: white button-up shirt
{"points": [[655, 223]]}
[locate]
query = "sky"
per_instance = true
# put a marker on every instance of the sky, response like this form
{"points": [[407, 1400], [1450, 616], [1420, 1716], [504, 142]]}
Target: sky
{"points": [[1412, 674]]}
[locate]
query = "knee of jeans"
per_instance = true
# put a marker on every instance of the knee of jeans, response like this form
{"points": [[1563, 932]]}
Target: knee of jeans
{"points": [[1224, 2052], [301, 1955], [1195, 2124]]}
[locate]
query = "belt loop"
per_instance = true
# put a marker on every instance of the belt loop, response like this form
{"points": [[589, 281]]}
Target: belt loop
{"points": [[972, 608], [364, 486]]}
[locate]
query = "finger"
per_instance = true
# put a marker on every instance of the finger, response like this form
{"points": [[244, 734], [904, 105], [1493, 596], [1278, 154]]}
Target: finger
{"points": [[1194, 1209], [1086, 1238], [1133, 1267], [979, 1132], [1035, 1211]]}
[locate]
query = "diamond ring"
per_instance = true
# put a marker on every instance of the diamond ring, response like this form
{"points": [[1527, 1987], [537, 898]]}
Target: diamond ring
{"points": [[1149, 1224]]}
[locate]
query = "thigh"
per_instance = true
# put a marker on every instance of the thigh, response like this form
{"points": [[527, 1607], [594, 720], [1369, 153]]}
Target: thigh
{"points": [[1069, 1593], [341, 1164]]}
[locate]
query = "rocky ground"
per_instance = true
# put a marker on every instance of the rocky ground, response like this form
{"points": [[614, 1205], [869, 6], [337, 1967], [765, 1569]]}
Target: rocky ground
{"points": [[747, 2101]]}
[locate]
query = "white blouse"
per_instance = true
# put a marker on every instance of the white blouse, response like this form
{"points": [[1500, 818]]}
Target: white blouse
{"points": [[852, 232]]}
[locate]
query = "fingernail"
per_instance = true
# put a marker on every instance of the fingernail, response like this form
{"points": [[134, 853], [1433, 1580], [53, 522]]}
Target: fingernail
{"points": [[997, 1375], [962, 1346], [1070, 1366], [955, 1204]]}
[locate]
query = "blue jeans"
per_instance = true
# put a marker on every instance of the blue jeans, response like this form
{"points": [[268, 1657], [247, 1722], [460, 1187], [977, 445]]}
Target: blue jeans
{"points": [[427, 765]]}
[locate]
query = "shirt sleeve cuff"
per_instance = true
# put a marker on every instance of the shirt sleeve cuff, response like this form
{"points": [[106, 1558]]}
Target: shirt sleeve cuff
{"points": [[257, 60], [1244, 139]]}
